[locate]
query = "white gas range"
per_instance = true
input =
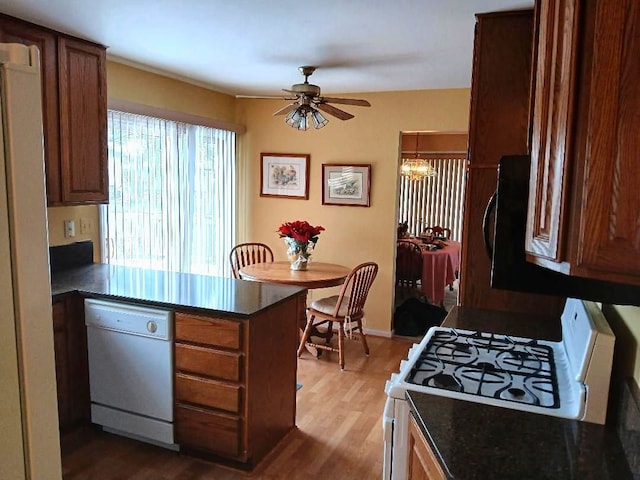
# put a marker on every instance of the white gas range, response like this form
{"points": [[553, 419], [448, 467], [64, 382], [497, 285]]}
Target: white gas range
{"points": [[568, 379]]}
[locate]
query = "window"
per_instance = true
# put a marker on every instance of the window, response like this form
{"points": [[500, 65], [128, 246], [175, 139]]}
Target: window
{"points": [[172, 198]]}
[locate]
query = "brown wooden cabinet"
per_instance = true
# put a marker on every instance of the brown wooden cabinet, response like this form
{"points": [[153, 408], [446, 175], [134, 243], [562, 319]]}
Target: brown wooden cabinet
{"points": [[235, 382], [423, 464], [584, 204], [72, 371], [499, 125], [74, 96]]}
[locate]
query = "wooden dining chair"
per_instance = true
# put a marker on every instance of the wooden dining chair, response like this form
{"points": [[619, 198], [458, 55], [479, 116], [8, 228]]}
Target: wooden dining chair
{"points": [[345, 309], [408, 267], [247, 254]]}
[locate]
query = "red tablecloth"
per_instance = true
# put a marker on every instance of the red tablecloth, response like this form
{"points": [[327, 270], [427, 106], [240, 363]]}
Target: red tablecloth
{"points": [[439, 269]]}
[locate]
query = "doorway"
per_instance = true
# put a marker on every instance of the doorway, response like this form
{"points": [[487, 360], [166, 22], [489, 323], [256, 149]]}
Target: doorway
{"points": [[435, 200]]}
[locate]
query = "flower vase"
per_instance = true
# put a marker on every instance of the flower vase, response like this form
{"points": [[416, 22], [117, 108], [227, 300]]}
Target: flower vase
{"points": [[298, 254], [299, 261]]}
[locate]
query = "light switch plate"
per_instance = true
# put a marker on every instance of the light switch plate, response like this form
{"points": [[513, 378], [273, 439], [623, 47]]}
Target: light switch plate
{"points": [[69, 228]]}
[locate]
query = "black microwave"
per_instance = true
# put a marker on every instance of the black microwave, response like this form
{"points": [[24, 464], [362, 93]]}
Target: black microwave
{"points": [[504, 226]]}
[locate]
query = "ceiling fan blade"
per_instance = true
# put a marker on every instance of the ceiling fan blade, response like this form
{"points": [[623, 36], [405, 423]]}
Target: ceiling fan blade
{"points": [[285, 110], [346, 101], [336, 112], [267, 97]]}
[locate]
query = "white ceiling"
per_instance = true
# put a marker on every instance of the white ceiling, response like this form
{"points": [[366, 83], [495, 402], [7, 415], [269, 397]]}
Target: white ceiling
{"points": [[254, 47]]}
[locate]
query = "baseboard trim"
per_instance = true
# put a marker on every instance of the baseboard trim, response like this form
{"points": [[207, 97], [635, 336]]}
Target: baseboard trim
{"points": [[378, 333]]}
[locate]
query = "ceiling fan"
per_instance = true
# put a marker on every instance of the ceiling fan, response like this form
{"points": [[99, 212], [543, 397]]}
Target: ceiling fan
{"points": [[307, 102]]}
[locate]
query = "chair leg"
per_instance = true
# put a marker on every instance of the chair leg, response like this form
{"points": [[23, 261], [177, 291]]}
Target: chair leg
{"points": [[341, 347], [329, 333], [363, 338], [306, 334]]}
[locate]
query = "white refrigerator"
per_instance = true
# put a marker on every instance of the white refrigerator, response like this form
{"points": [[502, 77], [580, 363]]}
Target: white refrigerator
{"points": [[29, 436]]}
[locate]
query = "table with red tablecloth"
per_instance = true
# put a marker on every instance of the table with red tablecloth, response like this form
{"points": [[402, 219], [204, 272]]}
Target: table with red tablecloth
{"points": [[439, 268]]}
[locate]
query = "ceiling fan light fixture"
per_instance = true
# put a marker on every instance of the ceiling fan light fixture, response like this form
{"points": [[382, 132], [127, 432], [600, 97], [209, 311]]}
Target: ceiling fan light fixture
{"points": [[293, 118], [307, 102], [303, 124], [319, 120]]}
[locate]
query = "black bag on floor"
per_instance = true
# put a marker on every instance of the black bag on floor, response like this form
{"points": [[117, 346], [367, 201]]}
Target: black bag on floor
{"points": [[415, 317]]}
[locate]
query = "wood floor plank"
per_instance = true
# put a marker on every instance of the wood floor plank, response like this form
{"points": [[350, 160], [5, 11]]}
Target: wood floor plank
{"points": [[338, 434]]}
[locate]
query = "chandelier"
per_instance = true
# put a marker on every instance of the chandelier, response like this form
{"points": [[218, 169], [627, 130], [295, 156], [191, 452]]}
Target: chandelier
{"points": [[299, 117], [416, 168]]}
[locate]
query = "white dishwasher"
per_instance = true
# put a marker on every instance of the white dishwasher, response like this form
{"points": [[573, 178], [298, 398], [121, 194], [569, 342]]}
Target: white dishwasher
{"points": [[131, 370]]}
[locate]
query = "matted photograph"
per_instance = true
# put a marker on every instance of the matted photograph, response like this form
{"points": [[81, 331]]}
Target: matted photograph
{"points": [[346, 184], [284, 175]]}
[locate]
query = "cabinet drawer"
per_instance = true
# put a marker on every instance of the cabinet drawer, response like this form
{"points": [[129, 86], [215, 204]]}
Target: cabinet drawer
{"points": [[208, 393], [207, 431], [208, 331], [204, 361]]}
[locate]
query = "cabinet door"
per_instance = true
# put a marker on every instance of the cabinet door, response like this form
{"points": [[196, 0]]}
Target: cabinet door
{"points": [[83, 121], [607, 239], [551, 129], [498, 125], [12, 31], [61, 350], [584, 205], [501, 84], [72, 368], [423, 464]]}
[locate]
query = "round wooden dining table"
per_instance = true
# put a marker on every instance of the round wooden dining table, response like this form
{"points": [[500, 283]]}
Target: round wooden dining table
{"points": [[318, 275]]}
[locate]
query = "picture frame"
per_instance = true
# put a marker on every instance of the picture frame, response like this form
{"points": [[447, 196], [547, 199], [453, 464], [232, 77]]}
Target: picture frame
{"points": [[284, 175], [344, 184]]}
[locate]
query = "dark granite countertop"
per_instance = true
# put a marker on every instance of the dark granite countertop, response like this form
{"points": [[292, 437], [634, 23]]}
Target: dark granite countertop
{"points": [[171, 289], [477, 441]]}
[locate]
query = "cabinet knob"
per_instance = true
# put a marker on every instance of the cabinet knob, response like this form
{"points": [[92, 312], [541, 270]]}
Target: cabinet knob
{"points": [[152, 326]]}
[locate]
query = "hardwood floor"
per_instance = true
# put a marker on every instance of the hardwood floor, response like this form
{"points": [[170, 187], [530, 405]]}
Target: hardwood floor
{"points": [[339, 434]]}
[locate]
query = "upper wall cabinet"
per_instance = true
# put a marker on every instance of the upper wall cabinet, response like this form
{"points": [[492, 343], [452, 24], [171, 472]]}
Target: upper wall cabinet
{"points": [[74, 100], [584, 201]]}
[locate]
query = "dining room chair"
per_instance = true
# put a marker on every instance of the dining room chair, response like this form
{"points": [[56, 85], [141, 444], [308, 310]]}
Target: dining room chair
{"points": [[345, 309], [408, 267], [248, 253]]}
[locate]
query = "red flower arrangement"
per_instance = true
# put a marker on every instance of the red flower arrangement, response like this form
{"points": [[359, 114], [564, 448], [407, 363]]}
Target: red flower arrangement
{"points": [[301, 237], [301, 231]]}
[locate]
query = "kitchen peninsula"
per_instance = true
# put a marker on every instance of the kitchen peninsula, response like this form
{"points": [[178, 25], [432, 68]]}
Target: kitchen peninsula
{"points": [[234, 348]]}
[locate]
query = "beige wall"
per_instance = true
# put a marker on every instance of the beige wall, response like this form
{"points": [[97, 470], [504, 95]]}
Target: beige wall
{"points": [[353, 234], [625, 323], [56, 216], [128, 83]]}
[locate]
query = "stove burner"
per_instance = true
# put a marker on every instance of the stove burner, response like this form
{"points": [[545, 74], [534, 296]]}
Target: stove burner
{"points": [[486, 366], [516, 392], [442, 380]]}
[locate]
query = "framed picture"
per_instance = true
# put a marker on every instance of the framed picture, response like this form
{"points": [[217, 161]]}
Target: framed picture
{"points": [[284, 175], [346, 184]]}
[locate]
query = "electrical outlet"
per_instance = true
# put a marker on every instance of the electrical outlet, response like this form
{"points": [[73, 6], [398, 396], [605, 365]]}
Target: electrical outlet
{"points": [[86, 226], [69, 228]]}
